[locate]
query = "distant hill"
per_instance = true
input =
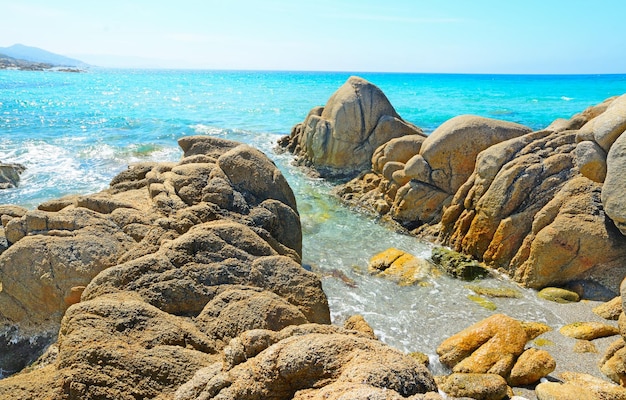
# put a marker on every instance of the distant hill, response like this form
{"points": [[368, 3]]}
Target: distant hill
{"points": [[7, 62], [37, 55]]}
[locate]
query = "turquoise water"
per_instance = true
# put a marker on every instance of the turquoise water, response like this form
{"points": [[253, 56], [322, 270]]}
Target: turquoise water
{"points": [[74, 132]]}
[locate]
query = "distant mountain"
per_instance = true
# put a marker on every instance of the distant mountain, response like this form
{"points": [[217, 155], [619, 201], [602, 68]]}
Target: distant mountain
{"points": [[37, 55], [7, 62]]}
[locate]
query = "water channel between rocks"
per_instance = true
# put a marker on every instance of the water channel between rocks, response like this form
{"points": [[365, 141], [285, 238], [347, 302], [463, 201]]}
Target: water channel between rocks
{"points": [[338, 243]]}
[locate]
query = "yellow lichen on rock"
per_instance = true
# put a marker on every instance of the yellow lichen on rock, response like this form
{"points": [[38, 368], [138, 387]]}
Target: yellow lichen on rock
{"points": [[399, 266], [588, 330]]}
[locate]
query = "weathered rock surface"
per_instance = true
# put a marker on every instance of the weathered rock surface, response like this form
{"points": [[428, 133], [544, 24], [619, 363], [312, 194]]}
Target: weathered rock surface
{"points": [[338, 140], [544, 207], [416, 186], [475, 386], [278, 365], [10, 175], [399, 266], [494, 346], [579, 386], [181, 280]]}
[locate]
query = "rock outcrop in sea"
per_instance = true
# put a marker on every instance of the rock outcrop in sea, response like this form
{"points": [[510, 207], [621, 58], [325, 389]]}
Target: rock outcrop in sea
{"points": [[545, 207], [10, 175], [181, 281], [338, 140]]}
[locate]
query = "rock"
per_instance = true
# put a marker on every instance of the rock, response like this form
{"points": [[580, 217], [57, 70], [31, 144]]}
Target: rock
{"points": [[458, 265], [527, 211], [609, 125], [175, 271], [590, 159], [613, 364], [398, 150], [10, 175], [495, 292], [65, 249], [615, 182], [558, 295], [445, 161], [588, 387], [535, 329], [310, 357], [339, 140], [611, 309], [584, 346], [451, 149], [489, 346], [588, 330], [558, 391], [475, 386], [399, 266], [358, 323], [531, 366]]}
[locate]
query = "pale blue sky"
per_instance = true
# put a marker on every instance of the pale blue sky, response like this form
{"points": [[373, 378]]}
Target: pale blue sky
{"points": [[472, 36]]}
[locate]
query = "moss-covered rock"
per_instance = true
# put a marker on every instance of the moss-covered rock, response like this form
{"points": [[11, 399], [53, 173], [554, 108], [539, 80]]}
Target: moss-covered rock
{"points": [[458, 265], [558, 295]]}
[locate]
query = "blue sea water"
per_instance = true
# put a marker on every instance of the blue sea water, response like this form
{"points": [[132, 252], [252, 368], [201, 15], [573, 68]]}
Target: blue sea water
{"points": [[75, 131]]}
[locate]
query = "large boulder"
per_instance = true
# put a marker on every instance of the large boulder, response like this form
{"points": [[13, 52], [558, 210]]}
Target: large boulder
{"points": [[527, 210], [177, 266], [615, 183], [338, 140], [422, 180], [302, 361]]}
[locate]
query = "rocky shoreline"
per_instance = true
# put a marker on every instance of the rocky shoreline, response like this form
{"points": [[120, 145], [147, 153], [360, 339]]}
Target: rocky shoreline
{"points": [[184, 280]]}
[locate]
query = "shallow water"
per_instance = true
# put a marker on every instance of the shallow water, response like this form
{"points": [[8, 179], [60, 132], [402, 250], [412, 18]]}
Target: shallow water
{"points": [[74, 132]]}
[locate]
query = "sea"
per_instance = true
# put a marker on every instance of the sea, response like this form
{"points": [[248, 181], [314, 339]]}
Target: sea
{"points": [[75, 131]]}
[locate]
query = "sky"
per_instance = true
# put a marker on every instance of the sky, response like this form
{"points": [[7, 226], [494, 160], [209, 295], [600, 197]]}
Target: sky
{"points": [[439, 36]]}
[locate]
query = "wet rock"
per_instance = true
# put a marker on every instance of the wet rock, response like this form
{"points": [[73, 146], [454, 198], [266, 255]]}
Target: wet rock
{"points": [[340, 138], [475, 386], [10, 175], [531, 366], [399, 266], [489, 346], [588, 330], [458, 265], [495, 292], [558, 295], [558, 391]]}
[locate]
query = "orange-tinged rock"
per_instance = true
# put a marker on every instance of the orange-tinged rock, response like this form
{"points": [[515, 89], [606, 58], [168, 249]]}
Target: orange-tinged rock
{"points": [[489, 346], [399, 266], [531, 366], [588, 330]]}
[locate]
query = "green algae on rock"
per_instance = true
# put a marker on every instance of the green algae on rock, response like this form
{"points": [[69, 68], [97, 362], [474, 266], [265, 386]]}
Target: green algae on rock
{"points": [[458, 265]]}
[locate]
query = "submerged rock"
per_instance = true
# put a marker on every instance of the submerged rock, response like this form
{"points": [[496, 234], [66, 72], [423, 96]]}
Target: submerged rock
{"points": [[399, 266], [458, 265], [339, 139], [10, 175]]}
